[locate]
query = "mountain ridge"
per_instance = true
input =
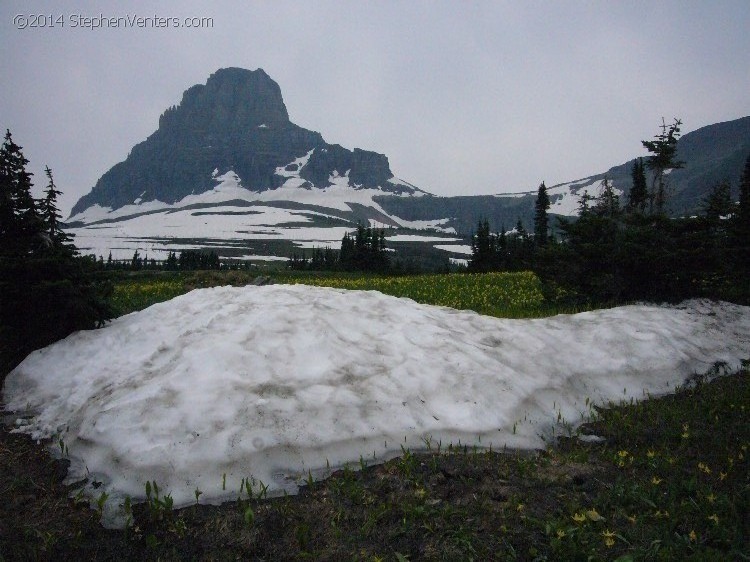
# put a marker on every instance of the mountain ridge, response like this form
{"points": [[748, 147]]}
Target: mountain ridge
{"points": [[236, 121], [226, 169]]}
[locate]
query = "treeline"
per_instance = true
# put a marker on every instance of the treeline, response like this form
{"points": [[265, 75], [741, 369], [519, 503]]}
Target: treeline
{"points": [[364, 251], [186, 260], [618, 251], [47, 290]]}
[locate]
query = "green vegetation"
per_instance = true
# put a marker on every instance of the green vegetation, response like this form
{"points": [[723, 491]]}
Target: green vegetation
{"points": [[136, 293], [502, 294]]}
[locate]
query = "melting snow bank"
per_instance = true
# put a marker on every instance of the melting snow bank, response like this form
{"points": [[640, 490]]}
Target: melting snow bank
{"points": [[274, 381]]}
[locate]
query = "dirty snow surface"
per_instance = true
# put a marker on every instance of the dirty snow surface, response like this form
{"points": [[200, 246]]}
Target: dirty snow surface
{"points": [[273, 382]]}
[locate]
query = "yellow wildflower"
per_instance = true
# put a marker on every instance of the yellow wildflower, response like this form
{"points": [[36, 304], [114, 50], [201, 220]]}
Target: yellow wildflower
{"points": [[651, 453], [593, 515], [656, 480], [609, 538], [693, 536], [560, 533], [710, 498], [579, 517], [714, 518], [704, 468], [632, 519], [722, 475]]}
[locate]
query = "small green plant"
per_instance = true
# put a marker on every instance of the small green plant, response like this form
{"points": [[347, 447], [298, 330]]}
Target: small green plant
{"points": [[310, 480], [128, 509], [100, 503], [159, 508], [249, 516]]}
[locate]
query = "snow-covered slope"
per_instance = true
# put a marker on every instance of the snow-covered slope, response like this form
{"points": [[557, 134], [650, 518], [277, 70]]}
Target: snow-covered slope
{"points": [[229, 217], [565, 197], [273, 382]]}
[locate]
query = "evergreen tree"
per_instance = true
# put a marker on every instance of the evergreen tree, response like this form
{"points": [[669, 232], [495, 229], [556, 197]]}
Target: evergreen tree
{"points": [[663, 152], [21, 225], [638, 198], [743, 209], [584, 204], [482, 248], [741, 227], [366, 251], [541, 221], [608, 203], [56, 239], [718, 203], [46, 291]]}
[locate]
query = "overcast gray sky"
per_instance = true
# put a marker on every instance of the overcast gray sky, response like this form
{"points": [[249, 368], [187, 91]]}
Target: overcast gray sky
{"points": [[463, 97]]}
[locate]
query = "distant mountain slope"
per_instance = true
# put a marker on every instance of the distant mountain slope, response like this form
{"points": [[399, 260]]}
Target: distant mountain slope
{"points": [[227, 169], [236, 122], [711, 154]]}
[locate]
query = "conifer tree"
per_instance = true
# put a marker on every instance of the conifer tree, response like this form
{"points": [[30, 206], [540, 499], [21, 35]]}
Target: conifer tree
{"points": [[46, 291], [482, 248], [741, 223], [584, 204], [743, 209], [663, 152], [21, 226], [541, 221], [638, 197], [718, 203], [55, 238], [608, 203]]}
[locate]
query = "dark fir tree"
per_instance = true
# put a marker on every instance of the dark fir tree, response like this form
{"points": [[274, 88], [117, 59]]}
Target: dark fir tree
{"points": [[482, 248], [741, 227], [55, 238], [638, 197], [46, 291], [718, 203], [663, 153], [584, 204], [21, 225], [365, 251], [742, 216], [608, 203], [541, 220]]}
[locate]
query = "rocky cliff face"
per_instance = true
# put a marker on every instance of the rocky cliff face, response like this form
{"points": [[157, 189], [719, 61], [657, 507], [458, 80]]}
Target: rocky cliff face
{"points": [[236, 121]]}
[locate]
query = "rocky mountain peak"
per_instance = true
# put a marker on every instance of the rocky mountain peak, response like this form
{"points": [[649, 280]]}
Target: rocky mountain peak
{"points": [[237, 122], [231, 99]]}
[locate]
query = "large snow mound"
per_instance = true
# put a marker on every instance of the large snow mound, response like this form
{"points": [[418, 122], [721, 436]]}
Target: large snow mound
{"points": [[273, 382]]}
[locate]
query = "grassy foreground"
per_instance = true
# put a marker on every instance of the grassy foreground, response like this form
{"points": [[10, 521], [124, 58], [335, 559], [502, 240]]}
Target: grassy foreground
{"points": [[669, 482]]}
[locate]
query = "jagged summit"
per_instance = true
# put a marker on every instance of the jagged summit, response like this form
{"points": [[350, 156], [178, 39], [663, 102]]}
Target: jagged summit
{"points": [[236, 121], [231, 99]]}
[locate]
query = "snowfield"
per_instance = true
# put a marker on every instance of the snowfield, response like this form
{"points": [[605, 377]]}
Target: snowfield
{"points": [[273, 382], [230, 216]]}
